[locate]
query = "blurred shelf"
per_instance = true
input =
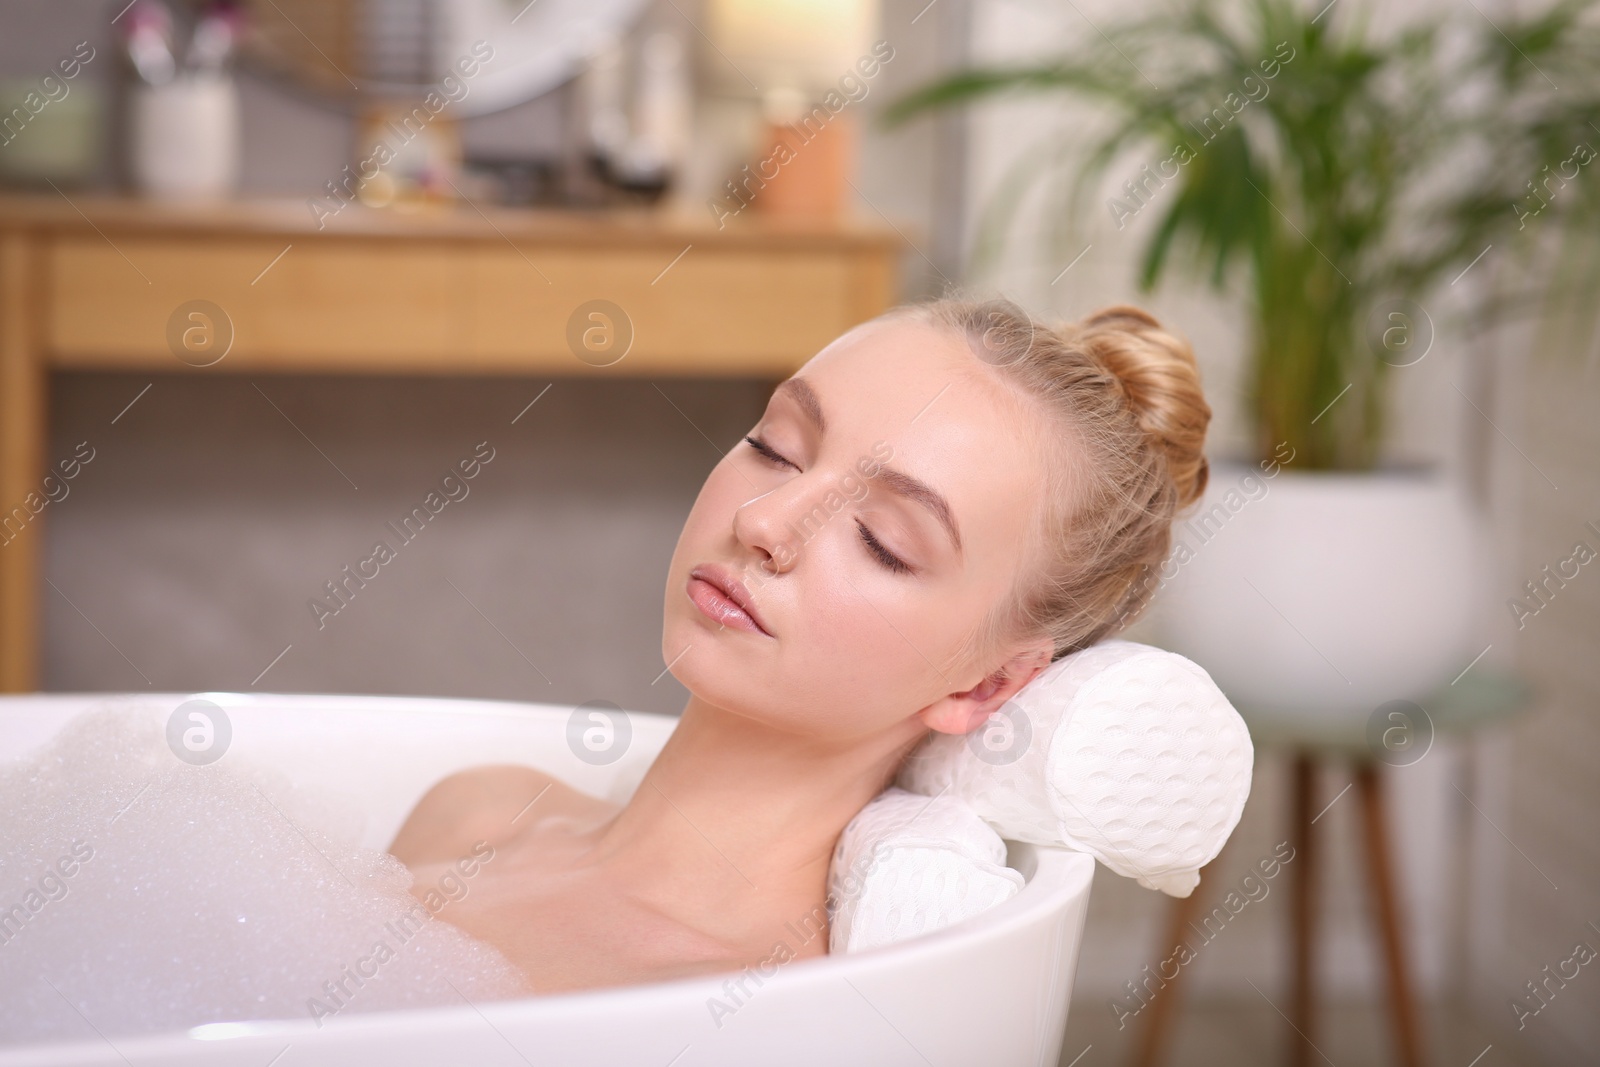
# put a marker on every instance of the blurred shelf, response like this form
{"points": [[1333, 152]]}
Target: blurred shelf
{"points": [[290, 217], [445, 290]]}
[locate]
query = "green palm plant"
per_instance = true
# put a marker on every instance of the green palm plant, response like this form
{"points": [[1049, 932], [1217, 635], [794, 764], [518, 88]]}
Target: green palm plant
{"points": [[1344, 173]]}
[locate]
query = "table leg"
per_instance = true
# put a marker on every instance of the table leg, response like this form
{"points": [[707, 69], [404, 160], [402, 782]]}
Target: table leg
{"points": [[1303, 909], [22, 430], [1380, 873]]}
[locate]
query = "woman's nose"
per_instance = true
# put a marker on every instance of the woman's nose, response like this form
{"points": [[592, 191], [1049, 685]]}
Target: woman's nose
{"points": [[776, 521]]}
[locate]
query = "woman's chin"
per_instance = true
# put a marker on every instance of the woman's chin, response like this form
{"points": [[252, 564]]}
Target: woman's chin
{"points": [[717, 667]]}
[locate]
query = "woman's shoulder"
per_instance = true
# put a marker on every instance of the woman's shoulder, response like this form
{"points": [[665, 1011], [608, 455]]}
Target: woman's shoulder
{"points": [[491, 803]]}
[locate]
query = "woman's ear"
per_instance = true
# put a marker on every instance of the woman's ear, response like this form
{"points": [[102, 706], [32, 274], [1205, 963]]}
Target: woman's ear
{"points": [[960, 713]]}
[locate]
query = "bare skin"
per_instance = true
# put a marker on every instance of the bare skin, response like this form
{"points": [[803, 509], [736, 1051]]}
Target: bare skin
{"points": [[545, 898], [801, 711]]}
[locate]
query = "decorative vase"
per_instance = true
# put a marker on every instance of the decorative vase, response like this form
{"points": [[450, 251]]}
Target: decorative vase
{"points": [[1325, 592]]}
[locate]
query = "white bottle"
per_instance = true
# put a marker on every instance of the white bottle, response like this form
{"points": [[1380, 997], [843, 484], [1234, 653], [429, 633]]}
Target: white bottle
{"points": [[663, 102]]}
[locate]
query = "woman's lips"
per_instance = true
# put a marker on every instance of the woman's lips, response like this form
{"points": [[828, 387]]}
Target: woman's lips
{"points": [[721, 597]]}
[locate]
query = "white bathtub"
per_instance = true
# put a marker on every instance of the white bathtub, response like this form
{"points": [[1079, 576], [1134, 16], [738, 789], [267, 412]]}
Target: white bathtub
{"points": [[990, 991]]}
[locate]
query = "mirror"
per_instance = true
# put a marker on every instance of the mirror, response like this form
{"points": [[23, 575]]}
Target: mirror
{"points": [[356, 52]]}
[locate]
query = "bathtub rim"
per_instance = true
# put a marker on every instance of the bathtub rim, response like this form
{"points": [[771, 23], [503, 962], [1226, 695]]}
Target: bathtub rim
{"points": [[1065, 871], [1057, 884]]}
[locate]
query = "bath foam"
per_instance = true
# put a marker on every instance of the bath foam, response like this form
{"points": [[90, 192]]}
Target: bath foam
{"points": [[141, 893]]}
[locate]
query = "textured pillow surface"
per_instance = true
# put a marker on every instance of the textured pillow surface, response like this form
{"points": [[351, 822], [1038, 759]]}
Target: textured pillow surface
{"points": [[1122, 750], [908, 865]]}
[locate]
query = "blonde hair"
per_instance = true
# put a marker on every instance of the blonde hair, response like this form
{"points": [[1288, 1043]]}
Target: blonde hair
{"points": [[1125, 395]]}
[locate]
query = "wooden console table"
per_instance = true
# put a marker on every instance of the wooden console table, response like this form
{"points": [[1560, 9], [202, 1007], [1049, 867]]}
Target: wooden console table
{"points": [[111, 284]]}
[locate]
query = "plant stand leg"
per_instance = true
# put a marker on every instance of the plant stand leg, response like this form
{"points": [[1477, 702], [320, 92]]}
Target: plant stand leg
{"points": [[1180, 913], [1380, 872], [1303, 911]]}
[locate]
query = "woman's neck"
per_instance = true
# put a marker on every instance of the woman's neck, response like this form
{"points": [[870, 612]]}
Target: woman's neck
{"points": [[734, 824]]}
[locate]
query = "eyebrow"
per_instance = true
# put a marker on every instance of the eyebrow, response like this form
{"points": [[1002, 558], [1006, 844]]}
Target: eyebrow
{"points": [[896, 481]]}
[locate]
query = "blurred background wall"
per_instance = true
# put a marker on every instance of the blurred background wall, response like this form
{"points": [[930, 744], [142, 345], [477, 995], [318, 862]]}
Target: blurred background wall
{"points": [[565, 547]]}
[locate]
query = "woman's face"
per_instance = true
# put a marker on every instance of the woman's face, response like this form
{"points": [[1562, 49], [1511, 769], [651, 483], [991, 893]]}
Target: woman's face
{"points": [[880, 514]]}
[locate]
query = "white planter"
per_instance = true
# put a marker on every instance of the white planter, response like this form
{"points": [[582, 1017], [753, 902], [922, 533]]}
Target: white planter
{"points": [[184, 137], [1325, 592]]}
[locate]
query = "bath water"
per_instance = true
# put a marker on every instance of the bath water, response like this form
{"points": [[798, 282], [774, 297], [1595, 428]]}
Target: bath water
{"points": [[140, 893]]}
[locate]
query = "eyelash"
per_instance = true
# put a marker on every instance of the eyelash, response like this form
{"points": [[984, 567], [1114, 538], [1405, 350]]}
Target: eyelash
{"points": [[874, 546]]}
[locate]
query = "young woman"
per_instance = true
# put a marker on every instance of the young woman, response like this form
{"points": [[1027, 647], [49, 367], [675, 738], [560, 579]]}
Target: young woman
{"points": [[935, 507]]}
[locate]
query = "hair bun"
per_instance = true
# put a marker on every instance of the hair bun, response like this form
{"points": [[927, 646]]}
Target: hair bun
{"points": [[1160, 378], [1124, 398]]}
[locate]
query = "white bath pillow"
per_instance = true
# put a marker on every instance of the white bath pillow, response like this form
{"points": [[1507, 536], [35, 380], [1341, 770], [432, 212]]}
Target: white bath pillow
{"points": [[1121, 750], [910, 864]]}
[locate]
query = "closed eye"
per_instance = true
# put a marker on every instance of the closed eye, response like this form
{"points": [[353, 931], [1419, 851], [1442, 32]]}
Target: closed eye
{"points": [[767, 450], [883, 555], [874, 546]]}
